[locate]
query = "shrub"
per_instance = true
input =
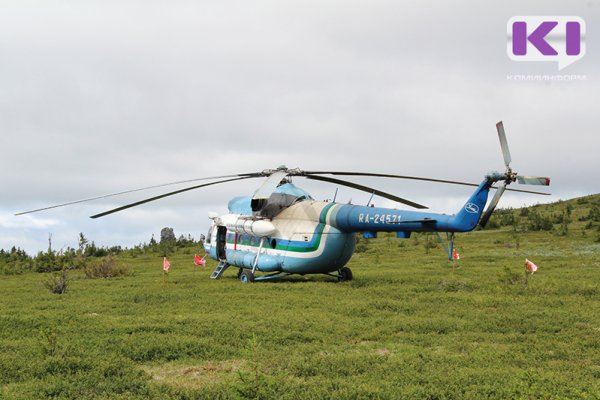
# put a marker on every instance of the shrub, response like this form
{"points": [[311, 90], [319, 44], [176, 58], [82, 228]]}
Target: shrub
{"points": [[453, 286], [51, 260], [49, 341], [429, 244], [538, 222], [15, 261], [362, 244], [493, 224], [594, 214], [563, 230], [509, 277], [15, 267], [105, 267], [57, 283], [502, 217]]}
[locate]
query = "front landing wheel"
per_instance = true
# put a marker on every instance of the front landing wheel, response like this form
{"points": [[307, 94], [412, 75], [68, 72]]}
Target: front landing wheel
{"points": [[246, 277], [344, 274]]}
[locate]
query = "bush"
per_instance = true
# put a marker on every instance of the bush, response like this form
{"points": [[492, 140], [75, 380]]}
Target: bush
{"points": [[57, 283], [362, 244], [105, 267], [594, 214], [563, 230], [49, 261], [502, 217], [509, 277], [429, 244], [15, 261], [493, 224], [15, 267], [538, 222]]}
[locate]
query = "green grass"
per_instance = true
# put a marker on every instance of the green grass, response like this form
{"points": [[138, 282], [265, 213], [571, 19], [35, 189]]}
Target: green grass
{"points": [[410, 325]]}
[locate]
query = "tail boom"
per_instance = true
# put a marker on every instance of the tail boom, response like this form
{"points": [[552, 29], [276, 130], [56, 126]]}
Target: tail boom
{"points": [[354, 218]]}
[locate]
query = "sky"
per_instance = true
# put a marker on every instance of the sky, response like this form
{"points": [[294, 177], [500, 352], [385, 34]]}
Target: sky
{"points": [[99, 97]]}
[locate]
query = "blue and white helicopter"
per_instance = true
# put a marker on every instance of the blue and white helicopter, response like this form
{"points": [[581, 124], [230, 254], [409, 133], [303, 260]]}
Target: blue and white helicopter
{"points": [[281, 230]]}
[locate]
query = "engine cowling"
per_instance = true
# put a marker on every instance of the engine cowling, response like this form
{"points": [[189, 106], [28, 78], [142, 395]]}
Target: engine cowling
{"points": [[250, 226]]}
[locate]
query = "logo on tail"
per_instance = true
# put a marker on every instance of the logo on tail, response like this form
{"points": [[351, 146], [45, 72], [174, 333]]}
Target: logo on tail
{"points": [[471, 208]]}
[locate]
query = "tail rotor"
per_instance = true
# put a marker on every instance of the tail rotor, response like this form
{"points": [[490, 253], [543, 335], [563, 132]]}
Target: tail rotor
{"points": [[508, 177], [503, 144]]}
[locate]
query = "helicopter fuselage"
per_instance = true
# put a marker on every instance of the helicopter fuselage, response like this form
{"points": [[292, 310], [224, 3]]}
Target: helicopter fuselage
{"points": [[310, 237], [302, 241]]}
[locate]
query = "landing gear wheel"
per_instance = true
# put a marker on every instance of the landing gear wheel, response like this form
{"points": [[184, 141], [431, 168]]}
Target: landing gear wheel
{"points": [[246, 276], [345, 274]]}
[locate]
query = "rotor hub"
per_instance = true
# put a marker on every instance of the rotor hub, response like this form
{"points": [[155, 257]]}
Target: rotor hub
{"points": [[510, 176]]}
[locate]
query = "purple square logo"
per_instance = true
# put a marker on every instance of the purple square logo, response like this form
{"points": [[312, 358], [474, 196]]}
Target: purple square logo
{"points": [[554, 39]]}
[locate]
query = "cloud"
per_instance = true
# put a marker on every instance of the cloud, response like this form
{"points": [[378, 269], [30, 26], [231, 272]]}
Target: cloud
{"points": [[8, 221]]}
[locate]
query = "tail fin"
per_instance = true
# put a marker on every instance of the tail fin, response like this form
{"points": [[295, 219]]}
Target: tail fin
{"points": [[468, 216]]}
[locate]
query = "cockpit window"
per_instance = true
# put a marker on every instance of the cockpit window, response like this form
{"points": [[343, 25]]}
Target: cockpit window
{"points": [[299, 199]]}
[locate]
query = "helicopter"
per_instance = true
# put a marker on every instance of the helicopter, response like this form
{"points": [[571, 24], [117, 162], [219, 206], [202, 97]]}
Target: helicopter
{"points": [[282, 230]]}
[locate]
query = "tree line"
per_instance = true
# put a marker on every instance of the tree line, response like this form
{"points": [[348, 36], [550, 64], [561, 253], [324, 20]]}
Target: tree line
{"points": [[18, 261]]}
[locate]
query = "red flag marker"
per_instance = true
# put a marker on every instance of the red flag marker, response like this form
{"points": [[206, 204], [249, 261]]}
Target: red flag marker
{"points": [[530, 267], [199, 260], [455, 255], [166, 264]]}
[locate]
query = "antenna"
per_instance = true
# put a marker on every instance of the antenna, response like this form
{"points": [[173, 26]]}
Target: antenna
{"points": [[370, 198]]}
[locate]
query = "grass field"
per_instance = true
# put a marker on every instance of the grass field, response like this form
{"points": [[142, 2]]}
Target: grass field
{"points": [[410, 325]]}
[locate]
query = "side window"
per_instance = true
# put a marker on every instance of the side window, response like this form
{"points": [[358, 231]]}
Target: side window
{"points": [[209, 235]]}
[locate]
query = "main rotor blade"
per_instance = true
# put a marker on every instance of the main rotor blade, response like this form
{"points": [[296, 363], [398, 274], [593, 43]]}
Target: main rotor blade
{"points": [[503, 144], [416, 178], [249, 175], [492, 206], [366, 189], [267, 188], [137, 203], [524, 191]]}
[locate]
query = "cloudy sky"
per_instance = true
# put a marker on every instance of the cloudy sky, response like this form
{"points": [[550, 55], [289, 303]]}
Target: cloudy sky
{"points": [[103, 96]]}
